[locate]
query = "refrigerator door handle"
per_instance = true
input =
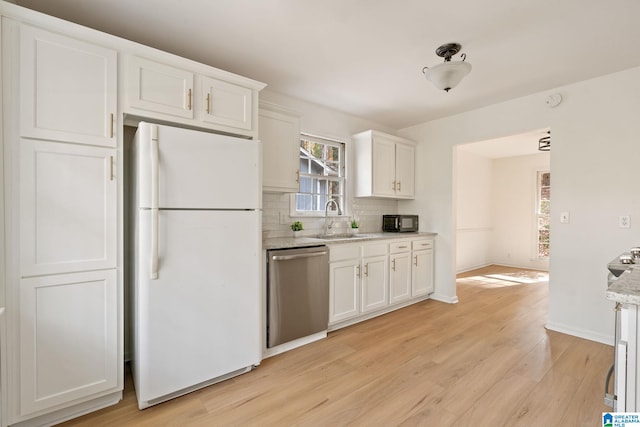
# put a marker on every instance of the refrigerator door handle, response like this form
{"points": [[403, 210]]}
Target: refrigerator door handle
{"points": [[154, 244], [154, 169], [154, 202]]}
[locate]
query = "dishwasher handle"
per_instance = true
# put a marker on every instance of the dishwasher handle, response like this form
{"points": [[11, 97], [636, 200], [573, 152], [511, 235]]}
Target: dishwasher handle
{"points": [[288, 257]]}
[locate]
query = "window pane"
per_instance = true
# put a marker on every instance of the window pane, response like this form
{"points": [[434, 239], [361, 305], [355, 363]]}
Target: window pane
{"points": [[321, 174]]}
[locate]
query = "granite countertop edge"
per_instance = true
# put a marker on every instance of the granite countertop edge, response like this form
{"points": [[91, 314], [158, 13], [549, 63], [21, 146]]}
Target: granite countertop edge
{"points": [[304, 241], [626, 288]]}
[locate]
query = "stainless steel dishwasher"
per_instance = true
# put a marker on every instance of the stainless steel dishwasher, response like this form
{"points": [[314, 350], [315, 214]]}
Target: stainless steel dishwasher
{"points": [[297, 293]]}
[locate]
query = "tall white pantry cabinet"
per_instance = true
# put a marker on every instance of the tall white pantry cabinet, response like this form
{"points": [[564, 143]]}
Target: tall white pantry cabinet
{"points": [[60, 139], [67, 93]]}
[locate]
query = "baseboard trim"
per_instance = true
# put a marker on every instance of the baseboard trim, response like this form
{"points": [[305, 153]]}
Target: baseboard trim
{"points": [[445, 298], [580, 333]]}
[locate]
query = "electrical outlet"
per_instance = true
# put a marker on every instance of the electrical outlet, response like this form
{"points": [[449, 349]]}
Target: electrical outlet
{"points": [[564, 217], [624, 221]]}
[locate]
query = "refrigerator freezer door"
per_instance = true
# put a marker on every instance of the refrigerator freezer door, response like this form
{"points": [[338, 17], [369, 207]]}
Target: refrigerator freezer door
{"points": [[200, 319], [197, 170]]}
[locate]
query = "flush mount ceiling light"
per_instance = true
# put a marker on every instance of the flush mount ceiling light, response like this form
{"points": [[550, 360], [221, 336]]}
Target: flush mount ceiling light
{"points": [[447, 75]]}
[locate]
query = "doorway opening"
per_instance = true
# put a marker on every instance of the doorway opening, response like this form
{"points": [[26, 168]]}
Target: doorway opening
{"points": [[502, 203]]}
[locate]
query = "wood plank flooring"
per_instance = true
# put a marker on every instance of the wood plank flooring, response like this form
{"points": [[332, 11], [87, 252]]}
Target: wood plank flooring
{"points": [[486, 361]]}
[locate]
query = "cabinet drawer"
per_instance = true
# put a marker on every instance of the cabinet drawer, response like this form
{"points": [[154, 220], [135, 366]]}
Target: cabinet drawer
{"points": [[342, 252], [375, 249], [422, 244], [397, 247]]}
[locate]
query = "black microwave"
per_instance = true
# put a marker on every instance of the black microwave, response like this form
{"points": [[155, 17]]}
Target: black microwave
{"points": [[399, 223]]}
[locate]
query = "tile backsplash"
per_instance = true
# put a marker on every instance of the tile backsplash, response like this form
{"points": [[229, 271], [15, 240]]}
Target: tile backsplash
{"points": [[276, 220]]}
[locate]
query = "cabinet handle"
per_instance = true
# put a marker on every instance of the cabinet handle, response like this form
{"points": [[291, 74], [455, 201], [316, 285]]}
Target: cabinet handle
{"points": [[415, 262], [189, 98], [366, 270], [399, 185], [298, 176], [393, 186], [402, 247], [208, 103], [111, 167], [111, 126], [358, 271], [393, 264]]}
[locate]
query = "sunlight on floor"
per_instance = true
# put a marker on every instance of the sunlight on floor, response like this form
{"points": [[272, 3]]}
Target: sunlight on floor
{"points": [[507, 278]]}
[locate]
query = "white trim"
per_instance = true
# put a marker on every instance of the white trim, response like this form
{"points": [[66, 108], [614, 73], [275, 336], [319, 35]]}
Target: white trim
{"points": [[580, 333]]}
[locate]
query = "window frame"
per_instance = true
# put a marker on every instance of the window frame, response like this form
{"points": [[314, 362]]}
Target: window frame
{"points": [[538, 214], [341, 178]]}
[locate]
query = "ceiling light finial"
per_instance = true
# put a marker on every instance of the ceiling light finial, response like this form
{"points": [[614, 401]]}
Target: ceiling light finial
{"points": [[447, 75]]}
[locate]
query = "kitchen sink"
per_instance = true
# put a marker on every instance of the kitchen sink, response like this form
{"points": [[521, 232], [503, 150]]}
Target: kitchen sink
{"points": [[344, 236]]}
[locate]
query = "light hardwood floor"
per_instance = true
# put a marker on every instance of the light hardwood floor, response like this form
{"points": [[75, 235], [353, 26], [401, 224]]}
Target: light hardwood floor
{"points": [[486, 361]]}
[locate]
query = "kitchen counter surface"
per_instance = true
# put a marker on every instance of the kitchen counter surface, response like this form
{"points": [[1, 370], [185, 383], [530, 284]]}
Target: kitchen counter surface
{"points": [[297, 242], [626, 289]]}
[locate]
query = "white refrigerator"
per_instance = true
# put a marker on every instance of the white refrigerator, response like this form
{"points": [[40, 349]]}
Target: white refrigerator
{"points": [[196, 267]]}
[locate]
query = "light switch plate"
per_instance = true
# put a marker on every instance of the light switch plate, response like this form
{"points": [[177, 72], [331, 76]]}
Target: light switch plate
{"points": [[624, 221], [564, 217]]}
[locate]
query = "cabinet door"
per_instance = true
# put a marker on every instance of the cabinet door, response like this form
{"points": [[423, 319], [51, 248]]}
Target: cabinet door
{"points": [[422, 272], [344, 289], [226, 104], [400, 277], [68, 89], [68, 208], [280, 136], [384, 168], [68, 338], [160, 88], [405, 170], [374, 283]]}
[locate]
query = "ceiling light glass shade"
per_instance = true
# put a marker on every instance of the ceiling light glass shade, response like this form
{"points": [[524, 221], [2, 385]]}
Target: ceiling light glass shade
{"points": [[447, 75]]}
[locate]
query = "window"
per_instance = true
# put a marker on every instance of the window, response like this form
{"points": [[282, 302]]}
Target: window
{"points": [[543, 208], [321, 175]]}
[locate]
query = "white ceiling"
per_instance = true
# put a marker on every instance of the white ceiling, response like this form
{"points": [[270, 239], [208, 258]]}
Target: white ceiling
{"points": [[365, 57], [510, 146]]}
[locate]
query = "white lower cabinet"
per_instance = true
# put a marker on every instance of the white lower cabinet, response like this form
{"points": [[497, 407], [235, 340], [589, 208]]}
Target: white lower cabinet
{"points": [[368, 279], [422, 268], [68, 338], [400, 272], [375, 277]]}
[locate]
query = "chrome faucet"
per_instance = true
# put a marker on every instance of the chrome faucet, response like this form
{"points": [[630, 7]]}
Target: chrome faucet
{"points": [[328, 224]]}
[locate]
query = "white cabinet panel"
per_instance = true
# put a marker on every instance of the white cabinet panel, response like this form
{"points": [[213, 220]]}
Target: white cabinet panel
{"points": [[374, 283], [68, 89], [400, 277], [68, 207], [68, 339], [384, 169], [160, 88], [226, 104], [422, 274], [344, 290], [280, 136], [405, 170]]}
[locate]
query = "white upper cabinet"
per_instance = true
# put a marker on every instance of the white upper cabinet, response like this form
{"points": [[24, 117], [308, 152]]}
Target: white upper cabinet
{"points": [[68, 208], [385, 166], [280, 136], [160, 88], [183, 92], [226, 104], [68, 89]]}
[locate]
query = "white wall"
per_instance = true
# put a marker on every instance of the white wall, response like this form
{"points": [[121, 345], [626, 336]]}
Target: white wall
{"points": [[594, 165], [325, 122], [513, 240], [474, 201]]}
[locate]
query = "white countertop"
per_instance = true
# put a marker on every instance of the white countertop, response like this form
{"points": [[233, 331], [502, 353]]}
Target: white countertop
{"points": [[296, 242]]}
